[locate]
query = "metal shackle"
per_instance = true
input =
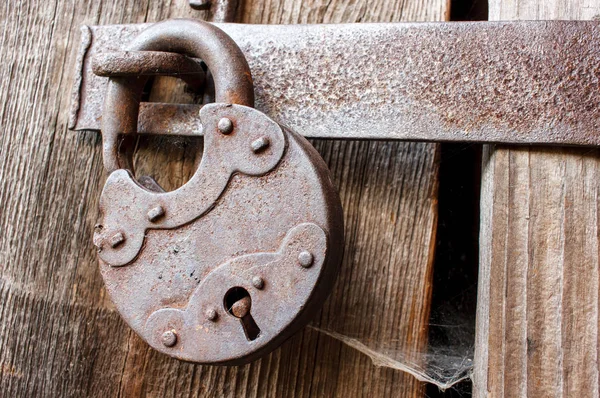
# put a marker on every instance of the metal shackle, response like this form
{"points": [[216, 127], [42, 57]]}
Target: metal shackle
{"points": [[225, 60]]}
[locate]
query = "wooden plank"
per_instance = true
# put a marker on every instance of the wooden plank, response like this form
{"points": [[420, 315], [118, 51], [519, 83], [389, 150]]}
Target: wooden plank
{"points": [[537, 319], [59, 333]]}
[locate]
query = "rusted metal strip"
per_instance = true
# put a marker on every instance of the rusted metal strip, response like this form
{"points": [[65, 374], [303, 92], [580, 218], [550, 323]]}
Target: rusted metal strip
{"points": [[509, 82], [149, 63], [146, 63]]}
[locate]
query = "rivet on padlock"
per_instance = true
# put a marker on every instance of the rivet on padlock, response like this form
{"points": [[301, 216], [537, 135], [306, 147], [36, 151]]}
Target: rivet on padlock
{"points": [[226, 267]]}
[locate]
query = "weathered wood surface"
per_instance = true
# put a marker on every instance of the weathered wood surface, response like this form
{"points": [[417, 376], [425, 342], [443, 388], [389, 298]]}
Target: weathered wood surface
{"points": [[537, 327], [60, 335]]}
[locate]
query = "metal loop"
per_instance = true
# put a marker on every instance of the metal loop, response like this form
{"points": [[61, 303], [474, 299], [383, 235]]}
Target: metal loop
{"points": [[231, 73]]}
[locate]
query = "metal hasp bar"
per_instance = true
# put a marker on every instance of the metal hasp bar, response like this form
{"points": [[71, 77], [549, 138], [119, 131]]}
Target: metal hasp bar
{"points": [[507, 82]]}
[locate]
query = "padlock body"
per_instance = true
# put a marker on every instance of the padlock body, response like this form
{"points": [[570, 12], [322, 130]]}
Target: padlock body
{"points": [[258, 237]]}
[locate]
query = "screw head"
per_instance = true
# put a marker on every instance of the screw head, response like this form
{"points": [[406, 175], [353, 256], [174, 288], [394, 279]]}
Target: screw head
{"points": [[155, 213], [260, 144], [305, 259], [116, 239], [225, 126], [211, 314], [258, 282], [169, 338]]}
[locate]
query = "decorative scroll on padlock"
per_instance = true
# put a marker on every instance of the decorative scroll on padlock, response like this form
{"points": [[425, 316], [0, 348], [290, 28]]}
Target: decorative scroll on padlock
{"points": [[225, 268]]}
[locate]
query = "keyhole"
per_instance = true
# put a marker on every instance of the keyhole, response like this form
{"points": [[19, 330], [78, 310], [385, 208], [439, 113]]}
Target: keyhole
{"points": [[238, 303]]}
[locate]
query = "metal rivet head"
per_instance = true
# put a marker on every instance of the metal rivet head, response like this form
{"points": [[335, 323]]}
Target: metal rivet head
{"points": [[260, 144], [211, 314], [305, 259], [258, 282], [116, 239], [169, 338], [155, 213], [225, 126]]}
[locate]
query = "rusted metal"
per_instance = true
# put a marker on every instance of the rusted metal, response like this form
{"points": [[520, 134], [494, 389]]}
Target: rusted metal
{"points": [[145, 63], [223, 10], [230, 73], [217, 270], [76, 99], [241, 308], [149, 63], [510, 82], [220, 10], [169, 119], [225, 155]]}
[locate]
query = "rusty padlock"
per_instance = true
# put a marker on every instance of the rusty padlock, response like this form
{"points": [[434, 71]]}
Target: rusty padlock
{"points": [[225, 268]]}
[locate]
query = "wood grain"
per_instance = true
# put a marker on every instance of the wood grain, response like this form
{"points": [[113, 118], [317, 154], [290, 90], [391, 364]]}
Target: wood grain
{"points": [[59, 333], [537, 320]]}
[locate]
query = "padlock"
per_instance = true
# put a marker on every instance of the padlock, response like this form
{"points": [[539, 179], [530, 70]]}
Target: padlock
{"points": [[228, 266]]}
